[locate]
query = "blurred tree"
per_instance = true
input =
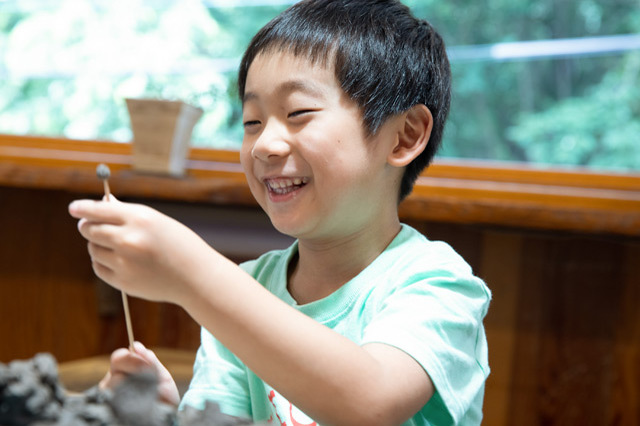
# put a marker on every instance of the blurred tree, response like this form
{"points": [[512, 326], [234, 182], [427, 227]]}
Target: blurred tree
{"points": [[500, 109], [600, 129], [66, 67]]}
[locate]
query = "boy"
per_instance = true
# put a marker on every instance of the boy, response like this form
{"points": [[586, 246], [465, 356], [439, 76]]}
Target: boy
{"points": [[362, 320]]}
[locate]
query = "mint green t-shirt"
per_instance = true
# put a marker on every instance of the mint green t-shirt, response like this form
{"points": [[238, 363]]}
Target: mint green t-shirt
{"points": [[418, 295]]}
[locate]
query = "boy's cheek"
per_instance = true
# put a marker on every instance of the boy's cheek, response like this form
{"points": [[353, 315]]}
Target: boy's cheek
{"points": [[245, 157]]}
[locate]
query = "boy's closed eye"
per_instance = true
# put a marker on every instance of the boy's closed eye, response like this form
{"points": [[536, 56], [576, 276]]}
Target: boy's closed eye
{"points": [[250, 123], [300, 112], [301, 116], [292, 114], [296, 115]]}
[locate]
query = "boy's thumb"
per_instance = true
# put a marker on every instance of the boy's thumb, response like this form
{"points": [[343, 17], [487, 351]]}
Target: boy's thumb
{"points": [[149, 356]]}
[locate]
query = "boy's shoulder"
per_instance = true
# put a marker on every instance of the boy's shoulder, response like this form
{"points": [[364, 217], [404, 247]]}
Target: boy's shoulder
{"points": [[411, 247], [410, 251], [271, 261]]}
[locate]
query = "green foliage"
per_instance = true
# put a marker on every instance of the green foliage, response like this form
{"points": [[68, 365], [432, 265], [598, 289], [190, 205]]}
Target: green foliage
{"points": [[519, 111], [67, 66], [599, 129]]}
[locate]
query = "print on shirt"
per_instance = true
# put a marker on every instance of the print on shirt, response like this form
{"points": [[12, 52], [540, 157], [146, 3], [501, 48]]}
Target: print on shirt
{"points": [[284, 413]]}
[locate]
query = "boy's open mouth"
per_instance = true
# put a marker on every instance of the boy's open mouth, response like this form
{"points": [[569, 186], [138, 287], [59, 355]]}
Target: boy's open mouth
{"points": [[285, 186]]}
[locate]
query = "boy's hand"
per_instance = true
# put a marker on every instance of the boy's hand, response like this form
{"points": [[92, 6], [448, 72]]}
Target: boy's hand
{"points": [[140, 250], [125, 362]]}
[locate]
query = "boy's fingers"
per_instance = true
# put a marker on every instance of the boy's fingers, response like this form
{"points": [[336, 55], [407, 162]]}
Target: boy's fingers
{"points": [[167, 389], [98, 211], [140, 349], [124, 361], [150, 356], [102, 256], [98, 233], [105, 273]]}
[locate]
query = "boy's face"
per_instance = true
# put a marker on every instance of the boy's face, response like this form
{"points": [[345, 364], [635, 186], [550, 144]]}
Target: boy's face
{"points": [[305, 153]]}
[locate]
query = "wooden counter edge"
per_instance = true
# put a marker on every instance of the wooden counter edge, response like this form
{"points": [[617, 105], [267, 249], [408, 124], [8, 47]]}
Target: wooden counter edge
{"points": [[469, 192]]}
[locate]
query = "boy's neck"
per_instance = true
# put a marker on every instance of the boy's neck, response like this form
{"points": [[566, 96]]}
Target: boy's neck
{"points": [[323, 267]]}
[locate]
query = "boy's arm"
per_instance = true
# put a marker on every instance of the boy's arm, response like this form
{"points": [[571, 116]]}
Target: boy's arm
{"points": [[329, 377]]}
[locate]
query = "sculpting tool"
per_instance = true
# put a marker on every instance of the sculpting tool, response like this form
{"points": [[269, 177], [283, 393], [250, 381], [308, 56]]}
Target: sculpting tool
{"points": [[104, 173]]}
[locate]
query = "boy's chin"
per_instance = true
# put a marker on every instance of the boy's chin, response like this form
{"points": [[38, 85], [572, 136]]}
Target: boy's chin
{"points": [[295, 227], [286, 228]]}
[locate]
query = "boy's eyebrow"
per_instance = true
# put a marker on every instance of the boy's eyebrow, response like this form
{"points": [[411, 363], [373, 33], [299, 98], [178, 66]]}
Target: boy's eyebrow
{"points": [[288, 87]]}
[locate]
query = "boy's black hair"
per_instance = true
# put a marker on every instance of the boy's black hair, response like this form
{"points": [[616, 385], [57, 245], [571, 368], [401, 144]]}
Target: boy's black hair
{"points": [[385, 59]]}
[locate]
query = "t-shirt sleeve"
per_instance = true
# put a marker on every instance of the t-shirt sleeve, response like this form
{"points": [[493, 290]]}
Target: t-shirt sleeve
{"points": [[437, 319], [218, 376]]}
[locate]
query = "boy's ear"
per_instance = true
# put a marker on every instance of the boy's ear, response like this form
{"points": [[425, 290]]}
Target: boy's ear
{"points": [[412, 137]]}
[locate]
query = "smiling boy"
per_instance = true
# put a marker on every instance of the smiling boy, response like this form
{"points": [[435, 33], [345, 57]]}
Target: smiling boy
{"points": [[362, 320]]}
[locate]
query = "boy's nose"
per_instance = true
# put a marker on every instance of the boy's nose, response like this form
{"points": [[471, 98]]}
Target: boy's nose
{"points": [[270, 144]]}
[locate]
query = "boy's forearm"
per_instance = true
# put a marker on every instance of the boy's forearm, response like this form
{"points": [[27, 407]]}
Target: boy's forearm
{"points": [[147, 254], [324, 374]]}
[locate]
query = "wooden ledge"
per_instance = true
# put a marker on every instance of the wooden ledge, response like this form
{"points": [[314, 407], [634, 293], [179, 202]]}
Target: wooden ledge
{"points": [[461, 192], [48, 163]]}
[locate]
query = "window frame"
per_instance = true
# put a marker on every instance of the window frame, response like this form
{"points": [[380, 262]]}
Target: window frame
{"points": [[454, 191]]}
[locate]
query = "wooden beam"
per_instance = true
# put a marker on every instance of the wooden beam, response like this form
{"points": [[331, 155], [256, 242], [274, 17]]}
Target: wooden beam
{"points": [[471, 192]]}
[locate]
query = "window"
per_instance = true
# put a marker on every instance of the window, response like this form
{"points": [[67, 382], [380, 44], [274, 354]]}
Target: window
{"points": [[68, 65], [550, 82], [541, 81]]}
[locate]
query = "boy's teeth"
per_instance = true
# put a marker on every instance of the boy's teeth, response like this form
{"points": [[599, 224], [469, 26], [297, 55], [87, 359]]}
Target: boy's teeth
{"points": [[282, 186]]}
